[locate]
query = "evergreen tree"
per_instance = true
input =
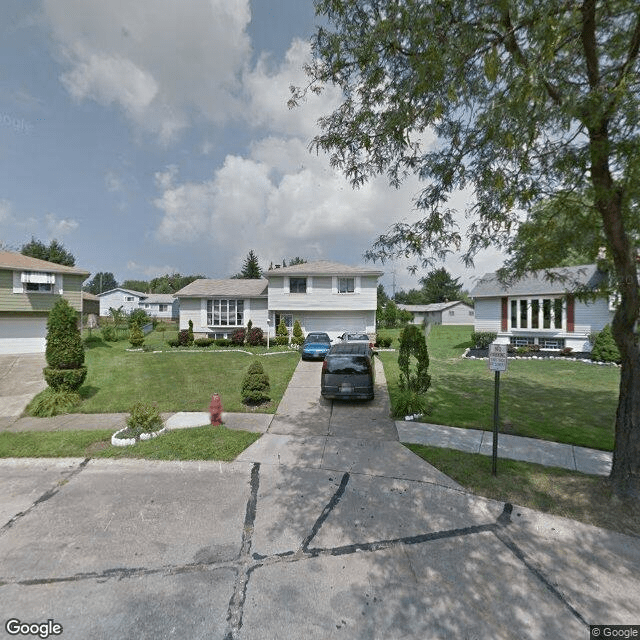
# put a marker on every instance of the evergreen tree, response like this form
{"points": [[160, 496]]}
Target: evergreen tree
{"points": [[101, 282], [250, 269], [54, 252]]}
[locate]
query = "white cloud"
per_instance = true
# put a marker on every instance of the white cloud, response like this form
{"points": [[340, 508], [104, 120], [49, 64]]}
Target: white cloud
{"points": [[158, 60], [57, 228]]}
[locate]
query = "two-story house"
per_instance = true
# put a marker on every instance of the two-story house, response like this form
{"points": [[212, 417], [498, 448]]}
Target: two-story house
{"points": [[128, 299], [28, 290], [322, 296]]}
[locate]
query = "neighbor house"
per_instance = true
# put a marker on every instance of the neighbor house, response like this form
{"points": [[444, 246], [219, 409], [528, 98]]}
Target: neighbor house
{"points": [[455, 312], [544, 311], [28, 290], [322, 296], [128, 299], [163, 306]]}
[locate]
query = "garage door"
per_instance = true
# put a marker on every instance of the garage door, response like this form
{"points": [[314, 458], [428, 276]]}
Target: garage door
{"points": [[335, 325], [23, 335]]}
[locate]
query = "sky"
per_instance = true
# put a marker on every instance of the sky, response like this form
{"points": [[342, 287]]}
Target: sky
{"points": [[154, 137]]}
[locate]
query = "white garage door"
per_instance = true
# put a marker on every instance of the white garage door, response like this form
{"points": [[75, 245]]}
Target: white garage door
{"points": [[335, 325], [23, 335]]}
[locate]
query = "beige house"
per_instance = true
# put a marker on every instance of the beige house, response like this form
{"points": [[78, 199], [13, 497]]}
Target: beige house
{"points": [[28, 290]]}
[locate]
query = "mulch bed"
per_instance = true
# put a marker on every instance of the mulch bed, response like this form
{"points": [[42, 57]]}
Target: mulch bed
{"points": [[535, 355]]}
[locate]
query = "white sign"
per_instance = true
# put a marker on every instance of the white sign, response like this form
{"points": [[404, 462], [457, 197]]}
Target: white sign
{"points": [[497, 357]]}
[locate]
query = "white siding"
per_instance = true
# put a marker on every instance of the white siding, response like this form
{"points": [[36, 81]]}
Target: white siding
{"points": [[591, 316], [488, 314], [116, 300], [195, 309], [191, 309], [460, 314]]}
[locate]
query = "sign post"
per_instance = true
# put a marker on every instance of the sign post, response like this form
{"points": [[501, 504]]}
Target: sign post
{"points": [[497, 363]]}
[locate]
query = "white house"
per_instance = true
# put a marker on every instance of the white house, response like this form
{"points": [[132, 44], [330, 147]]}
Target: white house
{"points": [[542, 311], [163, 306], [128, 299], [322, 296], [456, 312]]}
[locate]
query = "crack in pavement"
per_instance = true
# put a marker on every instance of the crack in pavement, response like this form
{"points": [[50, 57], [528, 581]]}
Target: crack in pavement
{"points": [[246, 562]]}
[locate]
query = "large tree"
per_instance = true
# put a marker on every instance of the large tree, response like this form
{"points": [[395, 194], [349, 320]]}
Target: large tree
{"points": [[251, 267], [101, 281], [515, 100], [53, 252]]}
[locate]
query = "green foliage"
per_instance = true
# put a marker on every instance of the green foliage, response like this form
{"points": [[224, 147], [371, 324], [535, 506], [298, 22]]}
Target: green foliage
{"points": [[440, 286], [136, 337], [255, 337], [250, 268], [139, 317], [238, 336], [390, 315], [407, 402], [174, 342], [482, 339], [605, 348], [54, 252], [184, 339], [64, 345], [101, 281], [282, 334], [223, 342], [384, 342], [298, 336], [65, 379], [109, 333], [190, 333], [53, 403], [203, 342], [255, 385], [143, 418], [413, 347]]}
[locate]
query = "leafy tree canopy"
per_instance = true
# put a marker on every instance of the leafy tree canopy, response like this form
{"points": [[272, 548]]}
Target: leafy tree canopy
{"points": [[53, 252], [101, 281], [516, 100], [437, 286]]}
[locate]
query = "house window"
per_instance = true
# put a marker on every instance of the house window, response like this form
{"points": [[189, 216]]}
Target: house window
{"points": [[346, 285], [297, 285], [37, 281], [537, 313], [452, 313], [129, 298], [163, 307], [40, 287], [288, 320], [224, 312]]}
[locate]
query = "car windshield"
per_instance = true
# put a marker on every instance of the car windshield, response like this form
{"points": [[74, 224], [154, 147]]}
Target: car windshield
{"points": [[347, 364], [317, 337]]}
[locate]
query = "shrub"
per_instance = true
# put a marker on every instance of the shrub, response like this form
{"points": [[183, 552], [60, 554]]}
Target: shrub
{"points": [[183, 338], [174, 342], [238, 336], [190, 333], [282, 334], [109, 333], [522, 351], [65, 379], [139, 317], [255, 385], [143, 418], [383, 342], [136, 337], [407, 402], [566, 351], [413, 344], [203, 342], [255, 337], [52, 403], [298, 336], [223, 342], [249, 327], [482, 339], [605, 348]]}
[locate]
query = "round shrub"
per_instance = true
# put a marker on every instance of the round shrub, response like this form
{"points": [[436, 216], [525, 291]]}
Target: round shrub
{"points": [[183, 338], [65, 379], [238, 336], [255, 385], [282, 334], [136, 337], [173, 342], [605, 348], [255, 337], [203, 342], [298, 336], [143, 418], [109, 333], [407, 402]]}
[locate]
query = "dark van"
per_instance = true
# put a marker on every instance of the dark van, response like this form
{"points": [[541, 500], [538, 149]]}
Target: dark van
{"points": [[348, 372]]}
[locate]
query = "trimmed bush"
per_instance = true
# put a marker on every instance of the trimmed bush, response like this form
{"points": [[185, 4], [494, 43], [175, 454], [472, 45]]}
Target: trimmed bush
{"points": [[482, 339], [65, 379], [223, 342], [203, 342], [255, 385], [407, 402], [298, 336], [190, 333], [605, 348], [238, 336], [255, 337], [183, 338], [174, 342], [143, 418], [384, 342], [136, 337], [413, 345], [282, 334]]}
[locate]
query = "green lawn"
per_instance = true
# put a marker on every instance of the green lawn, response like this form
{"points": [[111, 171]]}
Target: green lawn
{"points": [[175, 380], [558, 400]]}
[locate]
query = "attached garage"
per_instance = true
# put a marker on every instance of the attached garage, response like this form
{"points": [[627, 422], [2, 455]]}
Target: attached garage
{"points": [[337, 324], [23, 334]]}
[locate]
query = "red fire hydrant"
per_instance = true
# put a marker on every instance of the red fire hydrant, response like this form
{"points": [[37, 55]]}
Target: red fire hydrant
{"points": [[215, 409]]}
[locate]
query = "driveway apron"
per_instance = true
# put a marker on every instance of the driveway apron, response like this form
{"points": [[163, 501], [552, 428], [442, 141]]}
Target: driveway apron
{"points": [[20, 380]]}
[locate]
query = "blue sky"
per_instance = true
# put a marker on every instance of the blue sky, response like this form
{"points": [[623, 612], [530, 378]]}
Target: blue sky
{"points": [[153, 137]]}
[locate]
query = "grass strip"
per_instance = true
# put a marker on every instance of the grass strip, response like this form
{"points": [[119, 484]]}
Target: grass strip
{"points": [[199, 443], [560, 492]]}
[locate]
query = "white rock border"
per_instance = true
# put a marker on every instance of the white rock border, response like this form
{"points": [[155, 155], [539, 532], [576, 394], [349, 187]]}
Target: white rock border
{"points": [[126, 442]]}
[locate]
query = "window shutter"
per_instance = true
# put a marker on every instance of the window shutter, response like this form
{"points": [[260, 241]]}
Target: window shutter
{"points": [[571, 314], [505, 313]]}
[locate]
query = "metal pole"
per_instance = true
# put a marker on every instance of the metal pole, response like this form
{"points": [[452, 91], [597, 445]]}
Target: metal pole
{"points": [[496, 418]]}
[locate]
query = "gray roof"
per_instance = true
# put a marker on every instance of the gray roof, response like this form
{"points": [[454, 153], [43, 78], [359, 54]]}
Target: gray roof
{"points": [[139, 294], [435, 306], [159, 298], [231, 287], [560, 281], [324, 268]]}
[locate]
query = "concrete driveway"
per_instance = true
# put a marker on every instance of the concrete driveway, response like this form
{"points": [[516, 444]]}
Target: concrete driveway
{"points": [[20, 380], [304, 536]]}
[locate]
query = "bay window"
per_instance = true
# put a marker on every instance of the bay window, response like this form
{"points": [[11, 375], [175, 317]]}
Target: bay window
{"points": [[223, 312], [537, 313]]}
